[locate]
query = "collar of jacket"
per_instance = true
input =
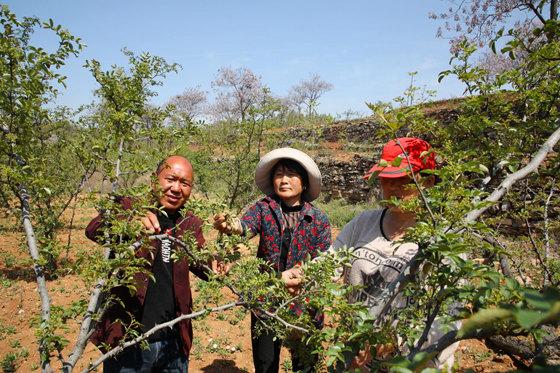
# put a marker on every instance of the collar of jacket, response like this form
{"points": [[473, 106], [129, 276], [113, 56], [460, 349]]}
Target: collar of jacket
{"points": [[274, 202]]}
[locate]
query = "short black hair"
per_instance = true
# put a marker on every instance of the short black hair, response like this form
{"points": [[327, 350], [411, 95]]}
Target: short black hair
{"points": [[293, 166], [161, 165]]}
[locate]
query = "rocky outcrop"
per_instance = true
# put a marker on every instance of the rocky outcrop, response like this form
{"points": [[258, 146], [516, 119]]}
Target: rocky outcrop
{"points": [[358, 131], [344, 179]]}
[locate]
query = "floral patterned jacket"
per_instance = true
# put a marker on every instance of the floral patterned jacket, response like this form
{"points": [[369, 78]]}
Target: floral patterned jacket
{"points": [[311, 236]]}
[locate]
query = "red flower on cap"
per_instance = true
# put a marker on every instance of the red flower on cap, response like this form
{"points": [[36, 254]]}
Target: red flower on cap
{"points": [[395, 163]]}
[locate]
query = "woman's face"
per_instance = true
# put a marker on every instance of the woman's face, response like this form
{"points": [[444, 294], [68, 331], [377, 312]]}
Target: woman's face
{"points": [[287, 185]]}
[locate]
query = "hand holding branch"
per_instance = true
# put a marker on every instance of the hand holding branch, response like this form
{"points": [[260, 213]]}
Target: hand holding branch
{"points": [[224, 224], [150, 223], [293, 278]]}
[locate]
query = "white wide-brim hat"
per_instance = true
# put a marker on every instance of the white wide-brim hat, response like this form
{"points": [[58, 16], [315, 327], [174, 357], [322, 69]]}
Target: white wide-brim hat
{"points": [[268, 161]]}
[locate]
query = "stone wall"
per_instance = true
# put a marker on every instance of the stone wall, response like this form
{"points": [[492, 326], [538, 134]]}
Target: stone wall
{"points": [[362, 131], [344, 179]]}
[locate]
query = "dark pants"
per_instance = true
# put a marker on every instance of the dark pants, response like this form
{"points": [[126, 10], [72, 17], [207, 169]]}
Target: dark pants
{"points": [[162, 356], [266, 352]]}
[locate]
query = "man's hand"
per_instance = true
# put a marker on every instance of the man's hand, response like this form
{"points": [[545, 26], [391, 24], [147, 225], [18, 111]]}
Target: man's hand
{"points": [[292, 278], [362, 358], [222, 224], [150, 223]]}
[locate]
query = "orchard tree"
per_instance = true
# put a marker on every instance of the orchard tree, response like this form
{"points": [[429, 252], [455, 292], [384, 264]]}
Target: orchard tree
{"points": [[46, 158], [35, 145], [308, 92], [498, 164], [239, 150], [237, 91], [124, 118]]}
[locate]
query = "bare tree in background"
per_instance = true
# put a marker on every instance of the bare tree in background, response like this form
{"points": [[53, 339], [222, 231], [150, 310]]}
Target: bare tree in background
{"points": [[190, 104], [237, 91], [307, 93]]}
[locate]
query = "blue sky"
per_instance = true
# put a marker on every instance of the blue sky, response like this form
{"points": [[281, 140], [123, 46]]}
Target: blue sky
{"points": [[365, 48]]}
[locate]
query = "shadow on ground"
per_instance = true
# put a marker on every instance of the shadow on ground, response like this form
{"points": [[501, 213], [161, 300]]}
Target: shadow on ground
{"points": [[18, 273], [223, 365], [25, 271]]}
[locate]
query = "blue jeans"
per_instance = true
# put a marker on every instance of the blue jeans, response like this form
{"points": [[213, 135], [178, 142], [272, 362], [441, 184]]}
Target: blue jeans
{"points": [[164, 356]]}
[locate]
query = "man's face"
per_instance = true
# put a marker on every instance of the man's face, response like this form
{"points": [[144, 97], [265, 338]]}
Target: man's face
{"points": [[402, 188], [175, 180]]}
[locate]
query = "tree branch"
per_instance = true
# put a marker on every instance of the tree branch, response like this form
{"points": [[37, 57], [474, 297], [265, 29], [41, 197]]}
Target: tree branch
{"points": [[39, 274], [414, 178], [34, 253], [429, 321], [537, 13], [282, 321], [545, 217], [86, 325], [504, 186], [113, 352], [547, 275]]}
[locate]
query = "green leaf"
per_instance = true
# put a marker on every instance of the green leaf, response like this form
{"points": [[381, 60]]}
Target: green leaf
{"points": [[396, 162], [542, 301], [528, 318], [483, 319]]}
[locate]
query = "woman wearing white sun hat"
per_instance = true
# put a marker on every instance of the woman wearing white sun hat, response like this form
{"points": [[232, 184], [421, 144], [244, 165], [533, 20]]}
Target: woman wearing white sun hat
{"points": [[290, 229]]}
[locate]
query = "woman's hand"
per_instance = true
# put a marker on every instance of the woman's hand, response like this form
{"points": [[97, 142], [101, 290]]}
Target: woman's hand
{"points": [[227, 226], [220, 267], [292, 278]]}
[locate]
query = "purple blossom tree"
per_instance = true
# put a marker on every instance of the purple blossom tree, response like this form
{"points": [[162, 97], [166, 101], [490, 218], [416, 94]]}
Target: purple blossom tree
{"points": [[478, 20], [237, 91]]}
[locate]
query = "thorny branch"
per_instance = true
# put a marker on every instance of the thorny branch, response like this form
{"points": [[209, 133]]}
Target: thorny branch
{"points": [[511, 179], [115, 351], [547, 276], [545, 216], [86, 326]]}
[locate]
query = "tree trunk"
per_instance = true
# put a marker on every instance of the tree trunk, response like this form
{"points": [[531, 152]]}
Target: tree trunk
{"points": [[115, 184], [39, 274]]}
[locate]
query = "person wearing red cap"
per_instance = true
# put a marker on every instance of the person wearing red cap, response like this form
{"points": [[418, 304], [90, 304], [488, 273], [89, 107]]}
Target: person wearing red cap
{"points": [[379, 257]]}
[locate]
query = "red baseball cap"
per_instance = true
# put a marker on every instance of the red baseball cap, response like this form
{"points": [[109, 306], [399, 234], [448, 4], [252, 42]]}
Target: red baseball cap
{"points": [[417, 155]]}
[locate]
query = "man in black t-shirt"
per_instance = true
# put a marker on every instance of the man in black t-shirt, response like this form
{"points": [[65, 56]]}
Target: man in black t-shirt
{"points": [[165, 294]]}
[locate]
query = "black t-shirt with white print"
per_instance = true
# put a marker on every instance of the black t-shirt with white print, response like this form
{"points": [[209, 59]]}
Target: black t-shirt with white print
{"points": [[159, 305]]}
